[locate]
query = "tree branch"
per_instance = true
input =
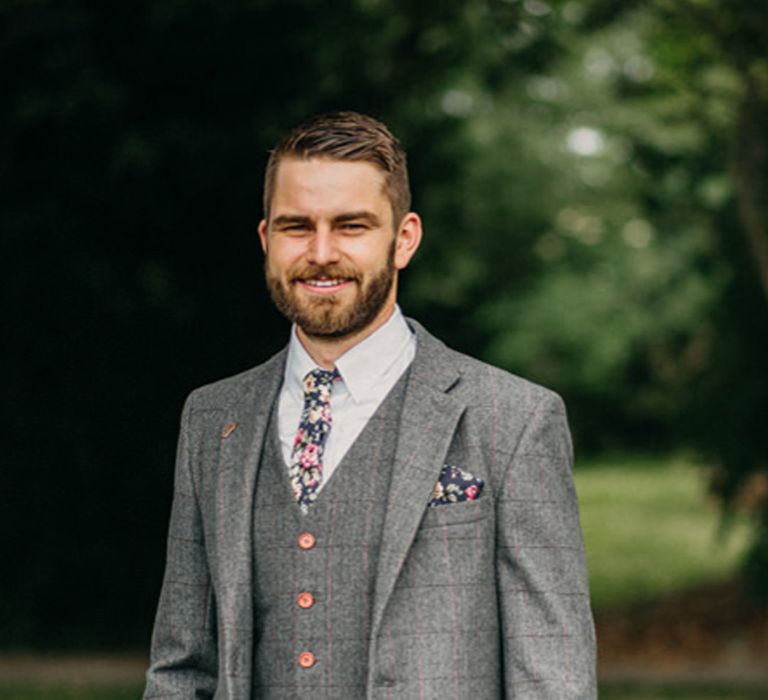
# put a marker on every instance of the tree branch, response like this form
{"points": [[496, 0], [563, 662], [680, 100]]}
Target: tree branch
{"points": [[749, 167], [749, 161]]}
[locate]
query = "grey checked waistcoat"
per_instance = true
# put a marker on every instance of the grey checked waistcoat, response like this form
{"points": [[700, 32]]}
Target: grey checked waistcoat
{"points": [[338, 571]]}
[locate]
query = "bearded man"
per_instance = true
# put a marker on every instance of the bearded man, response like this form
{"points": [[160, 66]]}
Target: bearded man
{"points": [[368, 514]]}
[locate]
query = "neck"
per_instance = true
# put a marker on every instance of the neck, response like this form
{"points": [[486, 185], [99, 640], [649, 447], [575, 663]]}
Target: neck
{"points": [[325, 351]]}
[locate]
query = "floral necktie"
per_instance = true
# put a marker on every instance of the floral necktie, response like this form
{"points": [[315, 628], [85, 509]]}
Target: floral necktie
{"points": [[306, 469]]}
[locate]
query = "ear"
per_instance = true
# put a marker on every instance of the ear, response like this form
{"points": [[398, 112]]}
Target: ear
{"points": [[263, 234], [408, 239]]}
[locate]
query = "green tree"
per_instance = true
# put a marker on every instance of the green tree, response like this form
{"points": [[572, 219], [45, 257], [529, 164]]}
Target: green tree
{"points": [[647, 302], [698, 137]]}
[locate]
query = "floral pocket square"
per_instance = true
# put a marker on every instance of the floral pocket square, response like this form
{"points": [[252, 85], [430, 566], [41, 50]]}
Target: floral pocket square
{"points": [[454, 486]]}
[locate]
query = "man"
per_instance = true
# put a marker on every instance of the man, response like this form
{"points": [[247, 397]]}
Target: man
{"points": [[368, 514]]}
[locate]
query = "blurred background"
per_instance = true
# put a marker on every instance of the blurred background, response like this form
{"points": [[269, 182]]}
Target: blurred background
{"points": [[592, 177]]}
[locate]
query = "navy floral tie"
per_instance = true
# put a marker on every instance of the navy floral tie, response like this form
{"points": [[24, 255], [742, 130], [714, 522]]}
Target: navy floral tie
{"points": [[306, 468]]}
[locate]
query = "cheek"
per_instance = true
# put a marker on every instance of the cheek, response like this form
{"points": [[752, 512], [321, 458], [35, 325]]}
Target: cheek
{"points": [[282, 257], [369, 257]]}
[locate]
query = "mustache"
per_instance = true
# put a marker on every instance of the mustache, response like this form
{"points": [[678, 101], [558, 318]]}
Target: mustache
{"points": [[333, 271]]}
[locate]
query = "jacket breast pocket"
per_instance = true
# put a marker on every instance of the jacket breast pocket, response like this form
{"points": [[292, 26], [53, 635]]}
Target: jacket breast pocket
{"points": [[453, 549], [452, 515]]}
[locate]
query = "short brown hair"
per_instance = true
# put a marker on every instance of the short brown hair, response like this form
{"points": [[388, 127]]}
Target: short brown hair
{"points": [[346, 136]]}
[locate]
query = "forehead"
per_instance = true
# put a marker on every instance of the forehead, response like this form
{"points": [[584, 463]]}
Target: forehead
{"points": [[327, 183]]}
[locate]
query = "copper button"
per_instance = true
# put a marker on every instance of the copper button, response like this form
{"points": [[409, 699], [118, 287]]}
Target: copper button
{"points": [[306, 659], [305, 600], [306, 540], [228, 429]]}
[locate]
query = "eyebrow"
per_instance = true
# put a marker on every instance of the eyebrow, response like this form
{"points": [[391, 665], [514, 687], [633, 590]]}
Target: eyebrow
{"points": [[365, 216], [285, 220]]}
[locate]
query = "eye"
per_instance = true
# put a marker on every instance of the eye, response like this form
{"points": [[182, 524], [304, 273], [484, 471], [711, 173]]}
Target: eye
{"points": [[295, 229], [353, 227]]}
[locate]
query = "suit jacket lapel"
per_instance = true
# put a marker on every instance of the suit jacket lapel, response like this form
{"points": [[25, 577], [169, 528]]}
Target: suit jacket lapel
{"points": [[236, 478], [429, 419]]}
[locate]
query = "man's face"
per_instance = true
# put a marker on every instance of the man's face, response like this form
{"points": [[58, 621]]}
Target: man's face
{"points": [[332, 251]]}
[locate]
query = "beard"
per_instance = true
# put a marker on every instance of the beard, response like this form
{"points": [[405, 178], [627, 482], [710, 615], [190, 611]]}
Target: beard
{"points": [[330, 317]]}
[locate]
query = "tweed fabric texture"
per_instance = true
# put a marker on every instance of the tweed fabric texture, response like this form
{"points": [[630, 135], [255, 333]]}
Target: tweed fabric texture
{"points": [[339, 571], [483, 599]]}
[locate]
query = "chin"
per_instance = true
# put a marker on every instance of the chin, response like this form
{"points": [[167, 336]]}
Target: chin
{"points": [[326, 326]]}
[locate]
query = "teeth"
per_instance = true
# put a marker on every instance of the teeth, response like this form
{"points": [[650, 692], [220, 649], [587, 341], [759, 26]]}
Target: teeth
{"points": [[324, 283]]}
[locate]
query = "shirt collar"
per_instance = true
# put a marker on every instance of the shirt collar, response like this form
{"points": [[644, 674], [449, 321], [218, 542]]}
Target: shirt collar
{"points": [[363, 365]]}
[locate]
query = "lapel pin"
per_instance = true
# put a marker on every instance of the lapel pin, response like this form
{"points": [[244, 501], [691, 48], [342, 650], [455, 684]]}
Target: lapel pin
{"points": [[228, 429]]}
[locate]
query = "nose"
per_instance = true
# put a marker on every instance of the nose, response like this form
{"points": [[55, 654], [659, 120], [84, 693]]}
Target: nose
{"points": [[323, 248]]}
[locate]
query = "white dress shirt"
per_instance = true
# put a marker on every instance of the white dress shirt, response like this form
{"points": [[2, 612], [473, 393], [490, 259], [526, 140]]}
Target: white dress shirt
{"points": [[368, 371]]}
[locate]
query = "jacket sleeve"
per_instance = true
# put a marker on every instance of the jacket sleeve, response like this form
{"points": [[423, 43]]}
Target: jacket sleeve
{"points": [[183, 661], [547, 630]]}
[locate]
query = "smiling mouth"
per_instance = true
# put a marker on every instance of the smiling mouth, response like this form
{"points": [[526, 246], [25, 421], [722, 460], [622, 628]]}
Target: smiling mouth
{"points": [[325, 284]]}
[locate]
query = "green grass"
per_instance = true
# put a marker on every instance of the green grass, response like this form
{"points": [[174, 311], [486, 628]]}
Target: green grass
{"points": [[680, 693], [33, 691], [63, 692], [650, 528]]}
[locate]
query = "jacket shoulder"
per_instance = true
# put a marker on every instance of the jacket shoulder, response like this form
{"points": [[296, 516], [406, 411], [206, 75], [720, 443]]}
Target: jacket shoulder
{"points": [[478, 377], [476, 381], [243, 386]]}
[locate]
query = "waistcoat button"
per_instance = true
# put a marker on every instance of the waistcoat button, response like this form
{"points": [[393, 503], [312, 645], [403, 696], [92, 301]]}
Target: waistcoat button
{"points": [[305, 600], [306, 659], [306, 540]]}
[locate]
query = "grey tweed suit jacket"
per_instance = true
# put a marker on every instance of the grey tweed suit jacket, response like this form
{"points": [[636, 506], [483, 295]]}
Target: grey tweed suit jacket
{"points": [[480, 599]]}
